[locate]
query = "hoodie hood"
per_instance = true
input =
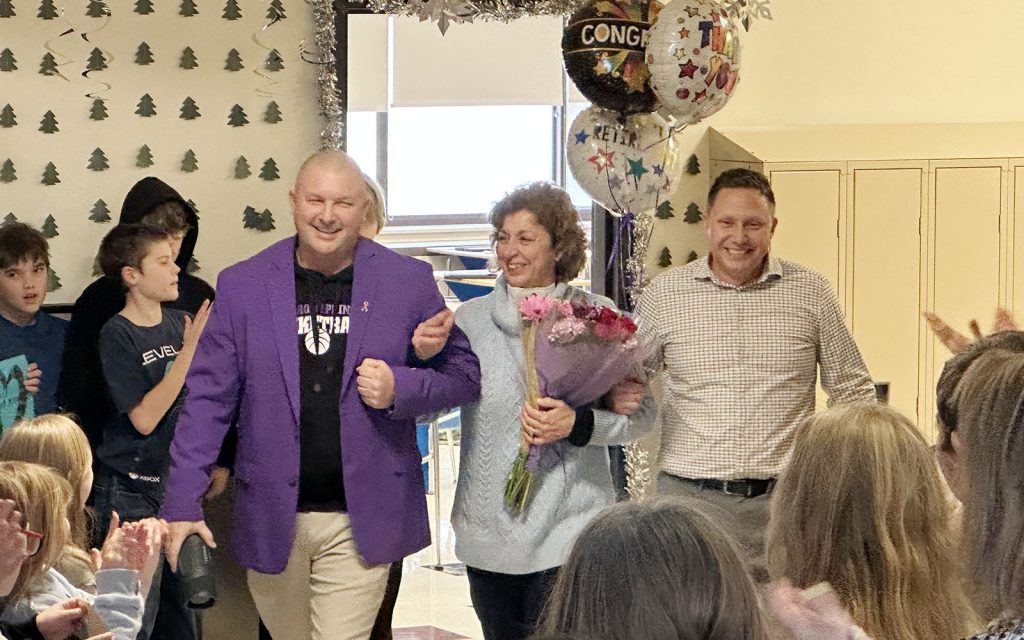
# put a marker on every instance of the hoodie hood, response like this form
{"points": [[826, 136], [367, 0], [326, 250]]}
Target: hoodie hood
{"points": [[147, 194]]}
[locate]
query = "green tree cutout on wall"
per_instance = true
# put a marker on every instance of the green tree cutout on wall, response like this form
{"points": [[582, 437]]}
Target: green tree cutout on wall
{"points": [[98, 160], [52, 280], [188, 59], [7, 117], [269, 170], [665, 258], [664, 211], [190, 162], [144, 158], [265, 221], [7, 9], [97, 61], [50, 175], [231, 10], [274, 61], [188, 8], [189, 109], [273, 113], [143, 55], [8, 219], [7, 61], [237, 117], [146, 108], [48, 67], [242, 170], [234, 61], [100, 212], [49, 123], [275, 10], [692, 165], [97, 9], [98, 110], [249, 218], [7, 172], [144, 7], [46, 10], [693, 214], [49, 228]]}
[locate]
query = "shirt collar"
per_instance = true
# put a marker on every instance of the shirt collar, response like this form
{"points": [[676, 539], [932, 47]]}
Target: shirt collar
{"points": [[772, 271]]}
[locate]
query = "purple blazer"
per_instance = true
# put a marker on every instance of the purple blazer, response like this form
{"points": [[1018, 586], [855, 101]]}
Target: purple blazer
{"points": [[247, 367]]}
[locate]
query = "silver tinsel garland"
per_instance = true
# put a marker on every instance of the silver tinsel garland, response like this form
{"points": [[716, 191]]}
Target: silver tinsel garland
{"points": [[638, 468], [446, 12], [332, 135]]}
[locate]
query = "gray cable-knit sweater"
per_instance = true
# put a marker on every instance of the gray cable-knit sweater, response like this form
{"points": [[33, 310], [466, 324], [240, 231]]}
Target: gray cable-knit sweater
{"points": [[487, 535]]}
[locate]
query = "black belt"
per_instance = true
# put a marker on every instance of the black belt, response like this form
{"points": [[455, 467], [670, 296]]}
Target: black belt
{"points": [[746, 488]]}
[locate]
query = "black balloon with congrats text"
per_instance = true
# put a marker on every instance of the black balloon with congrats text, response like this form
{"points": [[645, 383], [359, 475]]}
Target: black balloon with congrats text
{"points": [[603, 47]]}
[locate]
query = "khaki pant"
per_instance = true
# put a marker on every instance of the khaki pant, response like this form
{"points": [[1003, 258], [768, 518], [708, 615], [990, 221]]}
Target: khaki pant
{"points": [[327, 591], [746, 519]]}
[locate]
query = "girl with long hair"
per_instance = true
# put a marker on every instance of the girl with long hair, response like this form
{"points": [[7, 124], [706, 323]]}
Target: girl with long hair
{"points": [[862, 505], [43, 497], [54, 440]]}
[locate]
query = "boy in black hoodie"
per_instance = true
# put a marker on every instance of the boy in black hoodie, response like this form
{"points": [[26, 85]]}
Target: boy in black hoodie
{"points": [[81, 390]]}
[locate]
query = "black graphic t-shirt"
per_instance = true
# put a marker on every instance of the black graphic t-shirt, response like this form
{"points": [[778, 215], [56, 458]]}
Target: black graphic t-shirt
{"points": [[322, 316], [135, 359]]}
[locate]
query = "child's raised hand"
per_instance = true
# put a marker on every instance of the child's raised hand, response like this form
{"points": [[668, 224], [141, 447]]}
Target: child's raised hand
{"points": [[148, 556], [113, 554], [194, 327]]}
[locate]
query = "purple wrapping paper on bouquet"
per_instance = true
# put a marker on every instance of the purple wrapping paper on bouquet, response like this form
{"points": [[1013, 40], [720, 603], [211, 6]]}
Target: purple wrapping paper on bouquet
{"points": [[577, 373]]}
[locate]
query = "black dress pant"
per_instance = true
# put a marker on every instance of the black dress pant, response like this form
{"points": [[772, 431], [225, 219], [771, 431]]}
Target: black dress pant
{"points": [[507, 605]]}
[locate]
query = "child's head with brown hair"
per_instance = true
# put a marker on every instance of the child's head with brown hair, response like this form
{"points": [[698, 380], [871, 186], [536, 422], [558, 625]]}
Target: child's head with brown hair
{"points": [[42, 496], [862, 505], [24, 259], [54, 440], [657, 569], [140, 256]]}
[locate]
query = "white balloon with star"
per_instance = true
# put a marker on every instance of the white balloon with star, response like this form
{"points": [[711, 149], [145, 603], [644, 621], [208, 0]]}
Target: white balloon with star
{"points": [[627, 165], [693, 53]]}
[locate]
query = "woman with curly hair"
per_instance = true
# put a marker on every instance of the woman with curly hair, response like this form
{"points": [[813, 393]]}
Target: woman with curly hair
{"points": [[512, 557]]}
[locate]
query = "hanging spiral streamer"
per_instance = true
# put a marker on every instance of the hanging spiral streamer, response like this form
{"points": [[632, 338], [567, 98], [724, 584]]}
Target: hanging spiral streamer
{"points": [[264, 90]]}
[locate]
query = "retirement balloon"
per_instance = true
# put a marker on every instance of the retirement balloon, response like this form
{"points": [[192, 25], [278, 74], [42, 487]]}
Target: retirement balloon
{"points": [[603, 49], [627, 167], [693, 55]]}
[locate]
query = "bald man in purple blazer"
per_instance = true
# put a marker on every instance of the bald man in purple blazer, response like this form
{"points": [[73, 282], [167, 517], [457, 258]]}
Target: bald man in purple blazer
{"points": [[308, 347]]}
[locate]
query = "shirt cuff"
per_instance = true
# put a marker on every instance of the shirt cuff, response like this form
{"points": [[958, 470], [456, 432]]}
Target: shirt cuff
{"points": [[582, 428]]}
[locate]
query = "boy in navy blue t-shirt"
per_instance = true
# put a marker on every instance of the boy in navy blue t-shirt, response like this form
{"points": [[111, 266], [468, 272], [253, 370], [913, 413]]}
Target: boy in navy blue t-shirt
{"points": [[24, 328], [145, 352]]}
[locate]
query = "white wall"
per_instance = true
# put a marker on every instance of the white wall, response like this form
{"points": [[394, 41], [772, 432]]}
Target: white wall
{"points": [[220, 198], [863, 61]]}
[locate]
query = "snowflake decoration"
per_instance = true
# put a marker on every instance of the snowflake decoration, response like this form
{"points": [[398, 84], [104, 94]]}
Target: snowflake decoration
{"points": [[746, 11]]}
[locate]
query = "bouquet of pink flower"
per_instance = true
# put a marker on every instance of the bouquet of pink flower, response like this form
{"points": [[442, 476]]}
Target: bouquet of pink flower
{"points": [[575, 352]]}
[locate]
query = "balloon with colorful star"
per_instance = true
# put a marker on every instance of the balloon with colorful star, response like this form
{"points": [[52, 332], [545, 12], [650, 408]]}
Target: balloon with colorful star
{"points": [[693, 54], [603, 49], [627, 165]]}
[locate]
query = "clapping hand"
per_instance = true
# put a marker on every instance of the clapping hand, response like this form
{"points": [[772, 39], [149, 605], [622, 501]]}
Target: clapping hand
{"points": [[813, 614]]}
